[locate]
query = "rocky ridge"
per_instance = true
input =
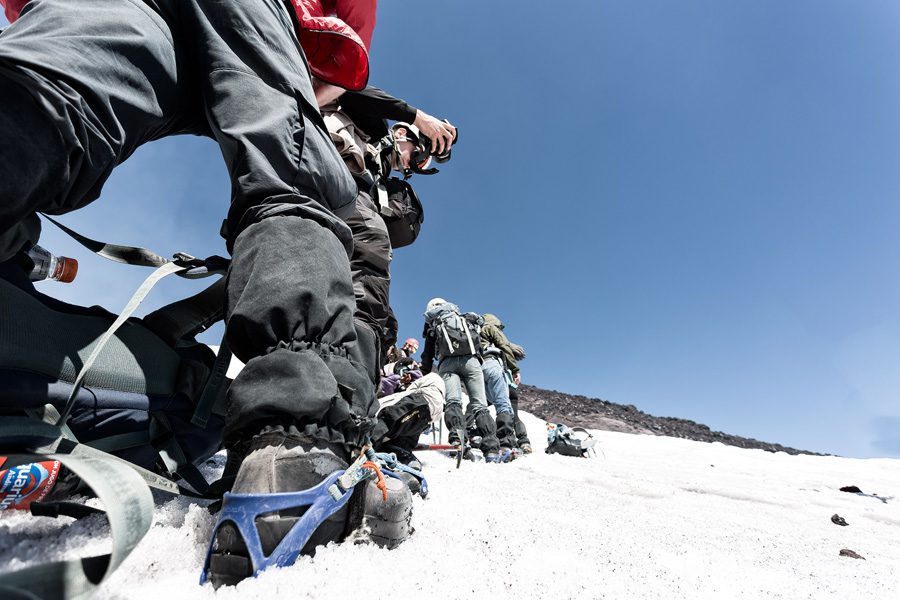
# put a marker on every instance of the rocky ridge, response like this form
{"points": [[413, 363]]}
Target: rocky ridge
{"points": [[594, 413]]}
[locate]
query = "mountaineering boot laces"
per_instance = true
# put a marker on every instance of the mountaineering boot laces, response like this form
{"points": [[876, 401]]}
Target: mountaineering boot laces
{"points": [[274, 465]]}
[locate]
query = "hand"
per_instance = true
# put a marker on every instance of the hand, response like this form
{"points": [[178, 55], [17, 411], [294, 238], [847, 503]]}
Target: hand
{"points": [[517, 378], [439, 132]]}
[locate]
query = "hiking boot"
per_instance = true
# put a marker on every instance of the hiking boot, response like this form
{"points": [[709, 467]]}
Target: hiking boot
{"points": [[277, 464], [411, 482], [526, 448], [492, 457], [389, 522]]}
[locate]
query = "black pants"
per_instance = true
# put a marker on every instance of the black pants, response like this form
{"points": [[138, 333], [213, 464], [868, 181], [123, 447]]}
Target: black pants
{"points": [[370, 267], [521, 431], [400, 426], [82, 86]]}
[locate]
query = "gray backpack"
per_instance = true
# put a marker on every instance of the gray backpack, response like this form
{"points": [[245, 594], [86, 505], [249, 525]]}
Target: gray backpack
{"points": [[455, 334], [569, 441]]}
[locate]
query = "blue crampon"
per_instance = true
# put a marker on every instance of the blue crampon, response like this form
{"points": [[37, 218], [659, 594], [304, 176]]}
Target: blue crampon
{"points": [[242, 510]]}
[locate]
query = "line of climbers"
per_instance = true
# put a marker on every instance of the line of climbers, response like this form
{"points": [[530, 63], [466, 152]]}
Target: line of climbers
{"points": [[474, 355]]}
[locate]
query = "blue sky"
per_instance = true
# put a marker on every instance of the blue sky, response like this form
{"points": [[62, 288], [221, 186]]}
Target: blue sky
{"points": [[689, 207]]}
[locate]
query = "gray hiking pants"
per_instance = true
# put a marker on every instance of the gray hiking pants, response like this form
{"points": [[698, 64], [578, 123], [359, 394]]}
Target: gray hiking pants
{"points": [[83, 84], [458, 371]]}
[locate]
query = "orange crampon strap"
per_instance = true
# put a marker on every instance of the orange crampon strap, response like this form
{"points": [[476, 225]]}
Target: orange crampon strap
{"points": [[381, 483]]}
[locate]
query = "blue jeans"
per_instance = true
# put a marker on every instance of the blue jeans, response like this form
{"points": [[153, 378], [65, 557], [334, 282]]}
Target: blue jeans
{"points": [[497, 389]]}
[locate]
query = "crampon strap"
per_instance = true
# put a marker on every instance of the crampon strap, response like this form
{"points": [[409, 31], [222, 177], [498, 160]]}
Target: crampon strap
{"points": [[242, 510]]}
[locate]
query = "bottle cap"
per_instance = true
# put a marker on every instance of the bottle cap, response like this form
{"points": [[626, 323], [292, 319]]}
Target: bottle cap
{"points": [[66, 269]]}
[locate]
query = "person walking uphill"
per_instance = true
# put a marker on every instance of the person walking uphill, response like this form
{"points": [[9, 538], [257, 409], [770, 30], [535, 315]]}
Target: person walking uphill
{"points": [[83, 85], [498, 357], [452, 337]]}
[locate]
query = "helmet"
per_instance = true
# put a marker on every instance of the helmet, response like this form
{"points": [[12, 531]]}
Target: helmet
{"points": [[434, 302], [419, 158], [412, 342]]}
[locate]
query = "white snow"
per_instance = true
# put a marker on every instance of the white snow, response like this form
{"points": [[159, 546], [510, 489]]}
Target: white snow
{"points": [[649, 517]]}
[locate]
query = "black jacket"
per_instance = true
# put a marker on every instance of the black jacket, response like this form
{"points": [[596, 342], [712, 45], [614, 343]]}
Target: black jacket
{"points": [[369, 109]]}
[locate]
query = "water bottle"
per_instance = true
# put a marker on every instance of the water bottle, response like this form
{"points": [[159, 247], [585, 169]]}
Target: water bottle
{"points": [[49, 266]]}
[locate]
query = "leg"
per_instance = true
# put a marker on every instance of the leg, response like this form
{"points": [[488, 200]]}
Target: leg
{"points": [[453, 413], [306, 395], [65, 124], [289, 311], [521, 431], [370, 268], [474, 381], [497, 392]]}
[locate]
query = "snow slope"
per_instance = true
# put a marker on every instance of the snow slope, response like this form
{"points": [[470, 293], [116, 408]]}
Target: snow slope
{"points": [[650, 517]]}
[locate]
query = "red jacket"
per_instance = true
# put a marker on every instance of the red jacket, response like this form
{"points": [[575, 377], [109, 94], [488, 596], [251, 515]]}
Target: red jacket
{"points": [[13, 8], [334, 34]]}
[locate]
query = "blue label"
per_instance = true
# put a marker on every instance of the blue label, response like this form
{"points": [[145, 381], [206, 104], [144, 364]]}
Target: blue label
{"points": [[21, 482]]}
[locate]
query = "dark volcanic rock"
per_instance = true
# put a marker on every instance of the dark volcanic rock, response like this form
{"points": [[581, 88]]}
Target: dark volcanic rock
{"points": [[593, 413]]}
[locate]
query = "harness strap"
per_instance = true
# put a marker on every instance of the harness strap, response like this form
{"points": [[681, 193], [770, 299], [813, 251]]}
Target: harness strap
{"points": [[66, 509], [49, 414], [443, 328], [129, 255], [166, 269], [189, 316], [211, 398], [465, 326], [42, 438]]}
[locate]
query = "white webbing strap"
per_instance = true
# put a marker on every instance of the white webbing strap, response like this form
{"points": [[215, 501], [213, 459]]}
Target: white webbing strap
{"points": [[447, 339], [465, 326], [135, 301], [129, 508]]}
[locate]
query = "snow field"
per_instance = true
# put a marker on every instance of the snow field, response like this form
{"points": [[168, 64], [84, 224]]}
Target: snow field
{"points": [[649, 517]]}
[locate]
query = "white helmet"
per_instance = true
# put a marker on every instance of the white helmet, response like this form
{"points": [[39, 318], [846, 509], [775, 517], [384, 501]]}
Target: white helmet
{"points": [[434, 302]]}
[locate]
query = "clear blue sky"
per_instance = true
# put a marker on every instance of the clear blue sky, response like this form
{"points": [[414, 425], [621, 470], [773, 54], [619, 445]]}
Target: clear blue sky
{"points": [[686, 206]]}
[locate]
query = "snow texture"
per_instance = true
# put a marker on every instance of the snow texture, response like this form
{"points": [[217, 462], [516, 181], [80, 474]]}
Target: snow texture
{"points": [[649, 517]]}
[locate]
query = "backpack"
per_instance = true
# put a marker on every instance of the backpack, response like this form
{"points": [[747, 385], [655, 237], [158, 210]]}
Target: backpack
{"points": [[114, 404], [563, 440], [455, 334], [402, 213]]}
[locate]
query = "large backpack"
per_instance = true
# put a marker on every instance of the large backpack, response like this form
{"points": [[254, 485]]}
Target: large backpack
{"points": [[569, 441], [125, 405], [141, 400], [455, 334]]}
